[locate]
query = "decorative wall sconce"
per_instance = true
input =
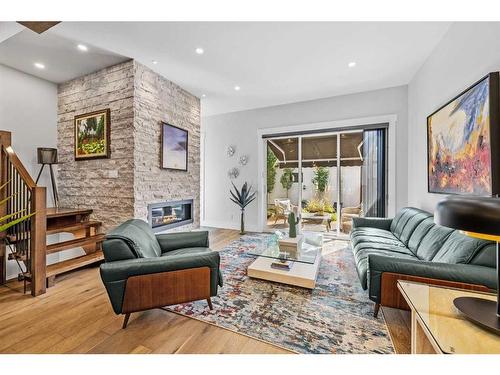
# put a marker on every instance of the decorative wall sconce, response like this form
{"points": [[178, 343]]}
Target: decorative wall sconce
{"points": [[233, 173], [231, 150], [243, 159]]}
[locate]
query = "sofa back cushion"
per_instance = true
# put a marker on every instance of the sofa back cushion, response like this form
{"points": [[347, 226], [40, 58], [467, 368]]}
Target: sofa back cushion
{"points": [[139, 238], [405, 222], [419, 233], [487, 256], [459, 248], [412, 224], [432, 241]]}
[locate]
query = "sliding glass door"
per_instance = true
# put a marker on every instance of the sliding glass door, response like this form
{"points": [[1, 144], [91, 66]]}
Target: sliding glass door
{"points": [[351, 162], [283, 185], [320, 185], [326, 179]]}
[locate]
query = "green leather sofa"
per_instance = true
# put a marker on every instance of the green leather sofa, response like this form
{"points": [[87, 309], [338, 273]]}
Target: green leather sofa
{"points": [[411, 247], [143, 270]]}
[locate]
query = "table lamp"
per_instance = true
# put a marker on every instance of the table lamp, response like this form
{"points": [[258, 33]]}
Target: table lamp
{"points": [[480, 218], [48, 156]]}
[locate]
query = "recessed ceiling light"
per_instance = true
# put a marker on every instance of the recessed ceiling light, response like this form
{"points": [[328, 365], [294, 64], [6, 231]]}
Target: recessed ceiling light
{"points": [[352, 64], [199, 51], [237, 88], [203, 96], [39, 65], [82, 47], [154, 62]]}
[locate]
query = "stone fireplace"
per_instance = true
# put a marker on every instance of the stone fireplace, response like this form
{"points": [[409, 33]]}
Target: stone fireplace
{"points": [[172, 214]]}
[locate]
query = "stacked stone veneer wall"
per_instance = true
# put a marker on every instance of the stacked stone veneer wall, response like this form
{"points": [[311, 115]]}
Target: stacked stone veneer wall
{"points": [[158, 100], [122, 186]]}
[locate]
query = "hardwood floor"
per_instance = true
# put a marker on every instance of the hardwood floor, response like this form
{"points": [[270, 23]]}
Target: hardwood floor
{"points": [[75, 316]]}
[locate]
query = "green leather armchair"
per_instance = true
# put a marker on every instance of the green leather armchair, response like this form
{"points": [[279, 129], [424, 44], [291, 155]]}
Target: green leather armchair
{"points": [[144, 271]]}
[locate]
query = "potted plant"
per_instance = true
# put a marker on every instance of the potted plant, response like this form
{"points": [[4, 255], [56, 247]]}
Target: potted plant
{"points": [[321, 178], [271, 170], [242, 198], [286, 179]]}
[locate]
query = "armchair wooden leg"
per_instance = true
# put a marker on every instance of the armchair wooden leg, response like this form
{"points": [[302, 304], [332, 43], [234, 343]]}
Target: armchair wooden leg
{"points": [[125, 321], [376, 309], [209, 301]]}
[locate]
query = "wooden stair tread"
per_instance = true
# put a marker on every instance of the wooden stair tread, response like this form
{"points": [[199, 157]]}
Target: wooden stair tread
{"points": [[74, 263], [52, 212], [73, 227], [77, 242]]}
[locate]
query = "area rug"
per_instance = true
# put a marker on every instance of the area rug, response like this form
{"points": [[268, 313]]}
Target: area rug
{"points": [[335, 317]]}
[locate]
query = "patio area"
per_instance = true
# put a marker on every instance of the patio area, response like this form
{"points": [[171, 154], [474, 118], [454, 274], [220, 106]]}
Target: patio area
{"points": [[324, 184]]}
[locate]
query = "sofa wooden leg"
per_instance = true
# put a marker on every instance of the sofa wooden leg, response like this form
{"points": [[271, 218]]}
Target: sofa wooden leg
{"points": [[376, 309], [209, 301], [125, 321]]}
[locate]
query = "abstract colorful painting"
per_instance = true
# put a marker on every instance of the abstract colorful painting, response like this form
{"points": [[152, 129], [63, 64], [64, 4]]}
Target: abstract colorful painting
{"points": [[459, 142], [92, 133], [174, 153]]}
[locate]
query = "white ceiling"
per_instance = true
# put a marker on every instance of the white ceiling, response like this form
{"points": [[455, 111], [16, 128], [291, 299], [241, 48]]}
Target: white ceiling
{"points": [[62, 60], [273, 63]]}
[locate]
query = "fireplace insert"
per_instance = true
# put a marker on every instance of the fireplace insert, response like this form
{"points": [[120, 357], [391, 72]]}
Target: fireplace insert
{"points": [[170, 214]]}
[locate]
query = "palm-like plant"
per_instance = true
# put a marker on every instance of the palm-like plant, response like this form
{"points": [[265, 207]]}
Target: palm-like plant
{"points": [[242, 198]]}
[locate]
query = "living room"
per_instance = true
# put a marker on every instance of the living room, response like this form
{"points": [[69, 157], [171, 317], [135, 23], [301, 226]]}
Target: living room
{"points": [[164, 189]]}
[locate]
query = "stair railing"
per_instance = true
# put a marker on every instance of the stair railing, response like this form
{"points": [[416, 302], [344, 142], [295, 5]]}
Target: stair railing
{"points": [[29, 236]]}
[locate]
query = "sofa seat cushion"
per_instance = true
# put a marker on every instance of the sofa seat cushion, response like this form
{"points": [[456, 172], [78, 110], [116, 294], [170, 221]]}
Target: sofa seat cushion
{"points": [[374, 233], [382, 247], [361, 254], [370, 231], [187, 250], [459, 248], [387, 241]]}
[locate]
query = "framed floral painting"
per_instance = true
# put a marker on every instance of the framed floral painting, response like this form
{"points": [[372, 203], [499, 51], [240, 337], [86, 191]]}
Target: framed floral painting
{"points": [[92, 135]]}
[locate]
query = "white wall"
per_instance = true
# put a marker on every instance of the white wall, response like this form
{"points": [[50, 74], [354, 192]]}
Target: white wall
{"points": [[240, 129], [467, 52], [28, 108]]}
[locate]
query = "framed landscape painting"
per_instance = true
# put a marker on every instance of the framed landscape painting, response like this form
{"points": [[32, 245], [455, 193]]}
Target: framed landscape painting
{"points": [[92, 135], [463, 142], [174, 148]]}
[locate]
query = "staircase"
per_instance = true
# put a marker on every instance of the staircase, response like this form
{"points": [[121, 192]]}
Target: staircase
{"points": [[27, 240], [86, 235]]}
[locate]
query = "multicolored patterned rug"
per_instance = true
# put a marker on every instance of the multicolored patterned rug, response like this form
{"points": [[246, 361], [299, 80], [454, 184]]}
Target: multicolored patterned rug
{"points": [[335, 317]]}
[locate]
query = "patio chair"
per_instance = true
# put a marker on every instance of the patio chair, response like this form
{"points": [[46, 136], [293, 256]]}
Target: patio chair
{"points": [[283, 207], [348, 213]]}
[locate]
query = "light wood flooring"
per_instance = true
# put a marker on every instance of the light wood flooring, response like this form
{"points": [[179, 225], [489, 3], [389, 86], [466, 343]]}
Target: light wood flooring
{"points": [[75, 316]]}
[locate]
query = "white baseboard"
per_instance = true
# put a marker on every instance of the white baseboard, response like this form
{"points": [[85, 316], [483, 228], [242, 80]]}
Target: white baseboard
{"points": [[250, 227]]}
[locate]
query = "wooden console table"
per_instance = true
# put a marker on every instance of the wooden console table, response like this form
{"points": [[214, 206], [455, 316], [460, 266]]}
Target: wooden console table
{"points": [[438, 327]]}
